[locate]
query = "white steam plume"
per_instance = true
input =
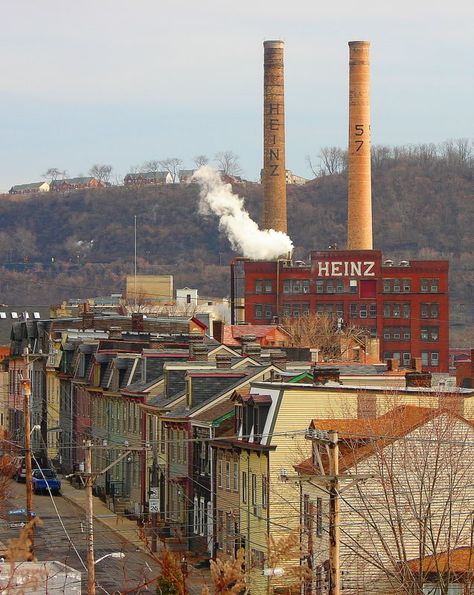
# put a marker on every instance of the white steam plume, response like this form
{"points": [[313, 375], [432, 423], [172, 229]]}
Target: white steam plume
{"points": [[243, 233]]}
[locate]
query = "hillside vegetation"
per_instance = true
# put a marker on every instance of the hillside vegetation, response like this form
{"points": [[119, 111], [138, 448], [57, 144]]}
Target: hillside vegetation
{"points": [[423, 208]]}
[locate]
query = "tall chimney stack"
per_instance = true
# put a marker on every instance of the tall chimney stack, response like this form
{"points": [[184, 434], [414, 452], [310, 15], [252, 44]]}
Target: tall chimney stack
{"points": [[359, 225], [274, 173]]}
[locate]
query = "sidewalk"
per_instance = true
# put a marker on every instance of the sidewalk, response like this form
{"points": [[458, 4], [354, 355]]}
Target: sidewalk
{"points": [[129, 531]]}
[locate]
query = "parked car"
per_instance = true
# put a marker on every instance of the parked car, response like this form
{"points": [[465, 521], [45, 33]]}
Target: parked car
{"points": [[44, 479]]}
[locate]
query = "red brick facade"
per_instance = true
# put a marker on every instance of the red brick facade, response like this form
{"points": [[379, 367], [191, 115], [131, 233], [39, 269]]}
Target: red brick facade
{"points": [[404, 304]]}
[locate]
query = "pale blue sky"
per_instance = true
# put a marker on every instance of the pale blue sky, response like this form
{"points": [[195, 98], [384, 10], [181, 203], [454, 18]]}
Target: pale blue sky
{"points": [[122, 81]]}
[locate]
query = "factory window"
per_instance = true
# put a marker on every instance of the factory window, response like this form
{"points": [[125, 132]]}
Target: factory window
{"points": [[425, 358], [373, 310], [353, 310], [329, 308], [396, 310], [286, 310], [373, 332], [363, 311], [258, 311], [305, 285], [429, 333], [434, 311], [406, 310], [386, 333], [305, 309], [406, 333], [353, 285], [406, 358], [286, 286], [406, 285], [259, 286], [297, 286], [268, 285], [339, 286], [434, 285], [340, 310], [386, 310], [424, 284], [396, 285], [319, 308], [387, 284], [319, 286], [424, 310], [434, 358], [330, 286], [268, 311], [424, 333]]}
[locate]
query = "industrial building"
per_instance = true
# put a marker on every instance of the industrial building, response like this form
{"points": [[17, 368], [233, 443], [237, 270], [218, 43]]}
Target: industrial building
{"points": [[404, 304]]}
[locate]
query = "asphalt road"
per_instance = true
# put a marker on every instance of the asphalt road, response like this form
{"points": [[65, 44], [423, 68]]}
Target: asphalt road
{"points": [[51, 543]]}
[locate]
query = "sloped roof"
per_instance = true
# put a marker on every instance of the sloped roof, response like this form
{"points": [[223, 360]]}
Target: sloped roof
{"points": [[457, 560], [363, 437], [31, 186], [216, 411], [233, 332]]}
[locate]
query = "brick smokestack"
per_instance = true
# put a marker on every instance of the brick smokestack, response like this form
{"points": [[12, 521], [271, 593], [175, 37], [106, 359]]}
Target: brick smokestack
{"points": [[274, 173], [359, 216]]}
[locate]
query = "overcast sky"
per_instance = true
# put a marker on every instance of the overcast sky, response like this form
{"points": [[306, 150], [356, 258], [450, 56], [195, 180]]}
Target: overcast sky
{"points": [[125, 81]]}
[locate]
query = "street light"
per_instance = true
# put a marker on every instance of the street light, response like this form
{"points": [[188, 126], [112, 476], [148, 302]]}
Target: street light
{"points": [[112, 555]]}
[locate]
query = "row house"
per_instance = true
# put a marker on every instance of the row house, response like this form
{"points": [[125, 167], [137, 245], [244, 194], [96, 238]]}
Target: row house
{"points": [[76, 184], [151, 177], [269, 438], [407, 526], [31, 188]]}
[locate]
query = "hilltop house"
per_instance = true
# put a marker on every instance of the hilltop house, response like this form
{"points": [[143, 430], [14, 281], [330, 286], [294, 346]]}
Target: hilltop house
{"points": [[76, 184], [151, 177], [30, 188]]}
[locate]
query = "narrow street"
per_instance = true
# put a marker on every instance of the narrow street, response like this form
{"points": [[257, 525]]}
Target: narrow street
{"points": [[51, 543]]}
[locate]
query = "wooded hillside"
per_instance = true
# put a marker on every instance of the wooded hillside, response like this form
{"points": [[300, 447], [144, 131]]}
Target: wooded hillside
{"points": [[423, 208]]}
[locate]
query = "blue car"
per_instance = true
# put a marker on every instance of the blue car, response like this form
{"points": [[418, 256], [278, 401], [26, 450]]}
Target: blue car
{"points": [[44, 480]]}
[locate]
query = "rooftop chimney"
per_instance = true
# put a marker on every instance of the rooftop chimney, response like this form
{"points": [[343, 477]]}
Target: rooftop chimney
{"points": [[115, 332], [137, 322], [278, 358], [359, 216], [274, 172], [223, 360], [198, 352], [418, 379], [325, 374]]}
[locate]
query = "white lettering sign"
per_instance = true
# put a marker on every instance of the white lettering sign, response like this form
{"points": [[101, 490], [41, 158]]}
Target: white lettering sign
{"points": [[349, 268]]}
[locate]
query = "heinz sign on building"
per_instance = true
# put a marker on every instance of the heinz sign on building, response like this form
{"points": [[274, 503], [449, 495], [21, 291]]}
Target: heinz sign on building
{"points": [[345, 268]]}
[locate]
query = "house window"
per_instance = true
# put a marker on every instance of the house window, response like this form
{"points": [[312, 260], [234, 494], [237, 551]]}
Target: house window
{"points": [[306, 513], [258, 311], [268, 285], [258, 558], [254, 489], [201, 516], [227, 475], [196, 515], [244, 487], [286, 286], [319, 517], [219, 473], [264, 491], [259, 286], [319, 286], [235, 476]]}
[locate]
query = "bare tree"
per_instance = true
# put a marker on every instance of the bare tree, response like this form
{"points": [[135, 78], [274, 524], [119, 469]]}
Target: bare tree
{"points": [[332, 160], [172, 165], [53, 173], [201, 160], [334, 339], [101, 172], [228, 163], [152, 166]]}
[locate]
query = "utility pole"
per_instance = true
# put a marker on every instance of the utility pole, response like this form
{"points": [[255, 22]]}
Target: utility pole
{"points": [[334, 516], [154, 482], [90, 520], [28, 466]]}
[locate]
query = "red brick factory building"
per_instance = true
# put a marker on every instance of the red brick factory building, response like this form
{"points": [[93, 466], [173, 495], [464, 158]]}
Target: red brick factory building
{"points": [[405, 304]]}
